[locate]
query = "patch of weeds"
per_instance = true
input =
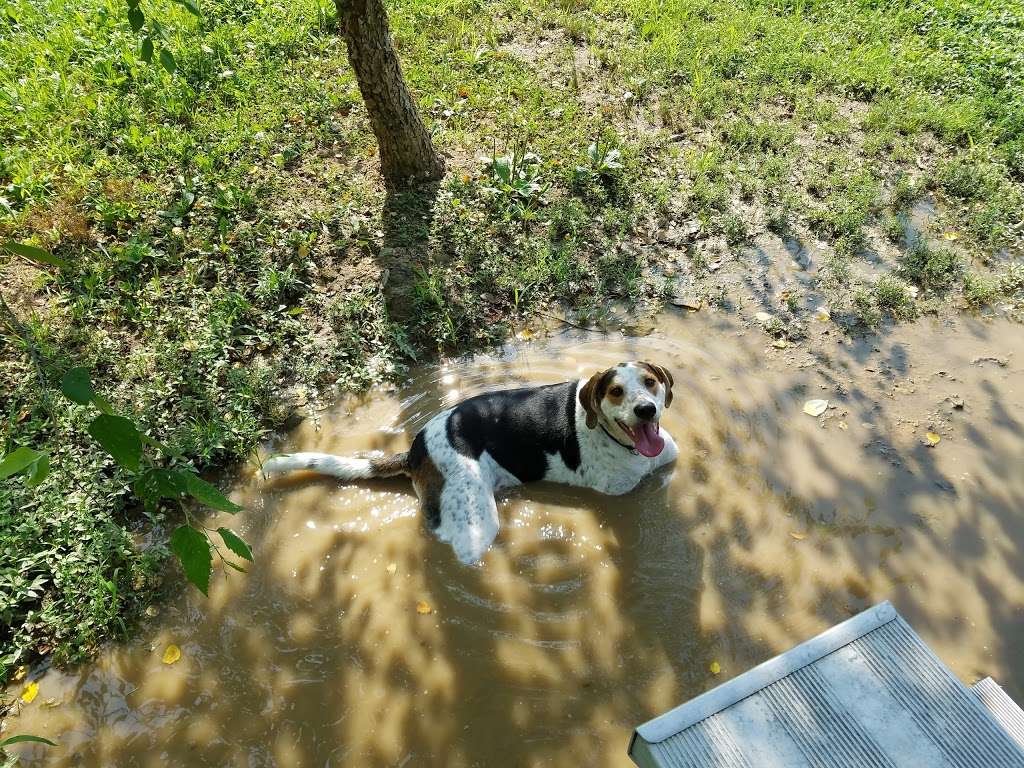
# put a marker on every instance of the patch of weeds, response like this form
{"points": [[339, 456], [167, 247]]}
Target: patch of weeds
{"points": [[735, 230], [980, 290], [514, 182], [835, 272], [569, 218], [892, 228], [850, 199], [904, 192], [935, 269], [604, 166], [865, 309], [965, 178], [1011, 281], [893, 296], [777, 220]]}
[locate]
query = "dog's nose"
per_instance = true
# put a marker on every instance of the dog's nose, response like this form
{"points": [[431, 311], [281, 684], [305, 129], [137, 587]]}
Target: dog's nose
{"points": [[645, 411]]}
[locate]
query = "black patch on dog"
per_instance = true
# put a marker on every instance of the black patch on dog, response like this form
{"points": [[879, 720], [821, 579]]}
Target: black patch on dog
{"points": [[417, 451], [431, 504], [519, 428]]}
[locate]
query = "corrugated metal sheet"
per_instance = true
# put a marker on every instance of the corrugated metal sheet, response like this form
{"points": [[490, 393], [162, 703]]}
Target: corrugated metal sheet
{"points": [[1002, 707], [867, 693]]}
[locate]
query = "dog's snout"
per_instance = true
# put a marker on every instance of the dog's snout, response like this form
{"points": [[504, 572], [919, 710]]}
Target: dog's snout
{"points": [[645, 411]]}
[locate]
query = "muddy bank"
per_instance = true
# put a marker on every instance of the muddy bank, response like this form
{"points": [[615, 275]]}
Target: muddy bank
{"points": [[357, 639]]}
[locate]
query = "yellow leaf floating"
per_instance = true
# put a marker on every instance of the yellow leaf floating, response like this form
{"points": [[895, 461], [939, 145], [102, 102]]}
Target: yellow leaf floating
{"points": [[798, 536], [815, 407], [29, 693], [171, 654], [932, 438], [423, 607], [715, 667]]}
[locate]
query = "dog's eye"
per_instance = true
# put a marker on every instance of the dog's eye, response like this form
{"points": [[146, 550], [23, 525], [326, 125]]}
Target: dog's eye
{"points": [[650, 382], [615, 391]]}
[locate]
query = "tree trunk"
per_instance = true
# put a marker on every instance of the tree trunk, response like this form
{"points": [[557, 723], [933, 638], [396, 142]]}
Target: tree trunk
{"points": [[407, 156]]}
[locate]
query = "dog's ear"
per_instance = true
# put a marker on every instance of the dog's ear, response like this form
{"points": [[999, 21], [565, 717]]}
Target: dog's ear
{"points": [[664, 376], [588, 398]]}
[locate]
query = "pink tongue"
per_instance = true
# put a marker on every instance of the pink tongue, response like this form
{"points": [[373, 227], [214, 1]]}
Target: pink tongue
{"points": [[647, 440]]}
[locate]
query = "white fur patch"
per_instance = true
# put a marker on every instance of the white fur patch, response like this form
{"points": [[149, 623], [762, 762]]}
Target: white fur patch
{"points": [[342, 467]]}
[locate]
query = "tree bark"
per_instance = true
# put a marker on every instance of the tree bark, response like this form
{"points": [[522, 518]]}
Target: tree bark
{"points": [[407, 156]]}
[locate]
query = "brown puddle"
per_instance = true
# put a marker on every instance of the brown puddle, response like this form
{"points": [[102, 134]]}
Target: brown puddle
{"points": [[590, 614]]}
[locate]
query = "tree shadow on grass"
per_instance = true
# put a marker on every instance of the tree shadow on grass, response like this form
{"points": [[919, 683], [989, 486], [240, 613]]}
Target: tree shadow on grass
{"points": [[407, 219]]}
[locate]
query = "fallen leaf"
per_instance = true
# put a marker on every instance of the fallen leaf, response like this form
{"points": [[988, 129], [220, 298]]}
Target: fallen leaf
{"points": [[798, 536], [822, 313], [391, 569], [843, 425], [171, 654], [932, 439], [780, 343], [715, 667], [815, 407], [29, 693], [951, 236], [423, 607]]}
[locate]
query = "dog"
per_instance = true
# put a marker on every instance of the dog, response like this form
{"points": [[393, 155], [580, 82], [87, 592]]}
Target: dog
{"points": [[601, 433]]}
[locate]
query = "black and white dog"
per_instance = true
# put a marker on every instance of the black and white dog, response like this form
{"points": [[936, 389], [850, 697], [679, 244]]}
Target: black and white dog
{"points": [[601, 433]]}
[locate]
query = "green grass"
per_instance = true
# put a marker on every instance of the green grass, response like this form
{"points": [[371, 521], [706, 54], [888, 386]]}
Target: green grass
{"points": [[227, 244]]}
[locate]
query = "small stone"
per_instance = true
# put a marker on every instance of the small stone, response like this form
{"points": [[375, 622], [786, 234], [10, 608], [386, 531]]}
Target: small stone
{"points": [[688, 301]]}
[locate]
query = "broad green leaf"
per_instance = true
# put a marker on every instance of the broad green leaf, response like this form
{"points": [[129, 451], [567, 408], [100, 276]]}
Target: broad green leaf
{"points": [[234, 542], [167, 59], [76, 386], [40, 471], [23, 738], [207, 494], [135, 18], [18, 460], [193, 550], [146, 52], [119, 438], [155, 484], [34, 254], [172, 483], [191, 6]]}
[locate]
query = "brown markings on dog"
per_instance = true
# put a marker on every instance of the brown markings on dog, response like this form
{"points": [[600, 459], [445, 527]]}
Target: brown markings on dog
{"points": [[428, 482], [664, 376], [593, 392], [390, 466]]}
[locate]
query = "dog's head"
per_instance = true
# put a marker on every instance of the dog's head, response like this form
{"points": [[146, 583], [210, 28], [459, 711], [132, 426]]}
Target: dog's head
{"points": [[627, 400]]}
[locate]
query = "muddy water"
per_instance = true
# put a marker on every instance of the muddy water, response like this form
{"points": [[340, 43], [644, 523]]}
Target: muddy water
{"points": [[590, 614]]}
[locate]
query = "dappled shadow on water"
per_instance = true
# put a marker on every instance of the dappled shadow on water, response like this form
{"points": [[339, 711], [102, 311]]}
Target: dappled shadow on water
{"points": [[357, 639]]}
